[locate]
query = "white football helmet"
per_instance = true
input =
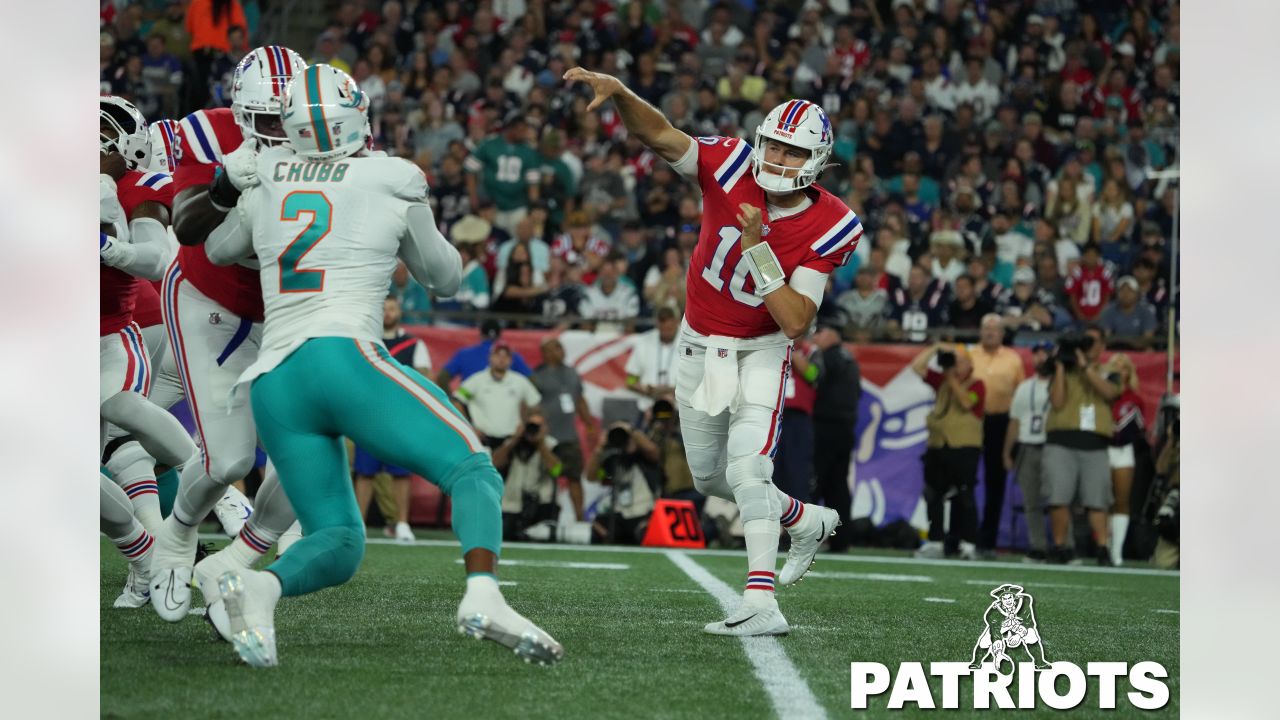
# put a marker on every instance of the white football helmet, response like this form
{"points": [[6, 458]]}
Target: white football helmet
{"points": [[799, 123], [164, 146], [326, 116], [258, 87], [131, 139]]}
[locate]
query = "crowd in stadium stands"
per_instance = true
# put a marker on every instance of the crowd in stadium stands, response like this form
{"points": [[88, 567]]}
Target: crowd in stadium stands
{"points": [[1002, 148], [998, 152]]}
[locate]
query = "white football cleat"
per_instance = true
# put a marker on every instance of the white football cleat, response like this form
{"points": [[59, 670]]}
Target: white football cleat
{"points": [[232, 511], [207, 572], [137, 589], [171, 592], [751, 619], [816, 524], [931, 550], [968, 551], [404, 534], [250, 598], [490, 618]]}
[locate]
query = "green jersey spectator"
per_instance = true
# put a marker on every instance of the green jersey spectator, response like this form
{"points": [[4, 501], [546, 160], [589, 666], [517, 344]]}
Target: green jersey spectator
{"points": [[509, 171]]}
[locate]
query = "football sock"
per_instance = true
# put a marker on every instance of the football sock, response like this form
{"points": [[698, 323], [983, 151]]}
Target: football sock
{"points": [[134, 471], [1119, 528], [792, 511], [167, 490], [117, 522], [762, 559], [475, 489]]}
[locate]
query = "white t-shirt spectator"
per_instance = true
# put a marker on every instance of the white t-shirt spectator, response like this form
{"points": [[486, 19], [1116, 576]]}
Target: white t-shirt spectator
{"points": [[652, 361], [495, 403], [1013, 246], [621, 304], [1030, 407], [984, 97], [1068, 252], [1109, 216], [947, 274]]}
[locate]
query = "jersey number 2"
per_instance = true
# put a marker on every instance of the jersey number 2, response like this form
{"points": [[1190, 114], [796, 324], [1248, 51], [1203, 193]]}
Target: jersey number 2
{"points": [[292, 278], [712, 272]]}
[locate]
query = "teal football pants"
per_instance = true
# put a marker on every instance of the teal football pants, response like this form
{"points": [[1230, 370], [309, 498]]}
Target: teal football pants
{"points": [[335, 387]]}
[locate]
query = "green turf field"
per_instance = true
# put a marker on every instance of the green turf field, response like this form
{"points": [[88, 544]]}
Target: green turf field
{"points": [[384, 645]]}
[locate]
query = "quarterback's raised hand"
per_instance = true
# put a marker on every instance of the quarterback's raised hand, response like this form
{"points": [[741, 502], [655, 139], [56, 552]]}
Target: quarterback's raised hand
{"points": [[604, 86], [750, 220]]}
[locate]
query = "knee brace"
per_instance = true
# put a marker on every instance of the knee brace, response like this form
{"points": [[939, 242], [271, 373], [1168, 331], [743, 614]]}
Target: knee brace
{"points": [[751, 479]]}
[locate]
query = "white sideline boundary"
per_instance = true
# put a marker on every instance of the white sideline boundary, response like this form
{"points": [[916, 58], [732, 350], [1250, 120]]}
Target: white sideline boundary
{"points": [[788, 692], [1010, 567]]}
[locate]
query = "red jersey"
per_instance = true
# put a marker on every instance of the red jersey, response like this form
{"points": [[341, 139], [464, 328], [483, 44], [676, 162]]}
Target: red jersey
{"points": [[117, 289], [204, 137], [146, 311], [721, 297], [1092, 288]]}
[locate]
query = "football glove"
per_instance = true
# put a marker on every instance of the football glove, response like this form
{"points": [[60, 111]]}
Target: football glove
{"points": [[241, 166]]}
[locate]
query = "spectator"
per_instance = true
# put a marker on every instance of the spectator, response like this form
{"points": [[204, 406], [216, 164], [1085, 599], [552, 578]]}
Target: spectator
{"points": [[835, 415], [1150, 286], [529, 470], [918, 308], [1112, 220], [604, 192], [1089, 285], [1129, 320], [559, 184], [468, 236], [579, 247], [208, 24], [625, 461], [954, 447], [172, 28], [1130, 432], [1024, 445], [1078, 432], [610, 299], [472, 359], [977, 91], [327, 51], [1027, 306], [162, 74], [864, 306], [414, 300], [651, 366], [537, 251], [498, 400], [946, 247], [1013, 247], [967, 310], [1000, 370], [410, 352], [664, 285], [510, 172], [562, 401], [564, 294], [1070, 215], [520, 286]]}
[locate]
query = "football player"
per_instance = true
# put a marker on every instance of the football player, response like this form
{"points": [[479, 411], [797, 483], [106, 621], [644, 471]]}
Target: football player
{"points": [[769, 239], [214, 318], [327, 227]]}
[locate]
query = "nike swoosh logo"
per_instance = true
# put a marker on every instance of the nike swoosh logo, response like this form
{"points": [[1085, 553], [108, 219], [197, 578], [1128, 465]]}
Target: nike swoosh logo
{"points": [[736, 624], [169, 602]]}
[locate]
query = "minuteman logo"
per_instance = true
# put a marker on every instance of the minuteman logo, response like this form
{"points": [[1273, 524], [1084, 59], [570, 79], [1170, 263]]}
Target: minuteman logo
{"points": [[1010, 649]]}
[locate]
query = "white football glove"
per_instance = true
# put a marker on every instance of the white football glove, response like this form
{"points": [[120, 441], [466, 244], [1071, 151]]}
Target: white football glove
{"points": [[109, 209], [241, 166], [108, 249]]}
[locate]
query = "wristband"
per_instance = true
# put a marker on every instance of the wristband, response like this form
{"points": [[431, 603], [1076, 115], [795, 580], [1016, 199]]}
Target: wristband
{"points": [[765, 269], [222, 194]]}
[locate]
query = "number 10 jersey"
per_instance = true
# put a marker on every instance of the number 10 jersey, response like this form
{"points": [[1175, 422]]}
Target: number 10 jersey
{"points": [[721, 297]]}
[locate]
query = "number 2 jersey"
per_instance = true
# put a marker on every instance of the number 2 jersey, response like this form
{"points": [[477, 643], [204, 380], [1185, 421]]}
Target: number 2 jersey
{"points": [[326, 235], [204, 137], [720, 292], [118, 290]]}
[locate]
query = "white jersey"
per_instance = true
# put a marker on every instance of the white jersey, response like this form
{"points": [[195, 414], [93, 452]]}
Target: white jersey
{"points": [[326, 235]]}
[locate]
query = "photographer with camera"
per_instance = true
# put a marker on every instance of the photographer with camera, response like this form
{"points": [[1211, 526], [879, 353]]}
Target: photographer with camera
{"points": [[529, 470], [1024, 445], [625, 461], [954, 447], [664, 432], [1168, 517], [1078, 433]]}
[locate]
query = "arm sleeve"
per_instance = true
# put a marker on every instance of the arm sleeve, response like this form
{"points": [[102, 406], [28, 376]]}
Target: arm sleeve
{"points": [[431, 260], [810, 283], [230, 241], [687, 165], [149, 251]]}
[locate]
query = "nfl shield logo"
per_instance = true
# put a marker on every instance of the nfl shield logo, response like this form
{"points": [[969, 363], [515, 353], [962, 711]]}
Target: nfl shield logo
{"points": [[764, 231], [721, 352]]}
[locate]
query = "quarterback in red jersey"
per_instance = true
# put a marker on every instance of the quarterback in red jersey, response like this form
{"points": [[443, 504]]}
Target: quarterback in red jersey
{"points": [[769, 239], [214, 318]]}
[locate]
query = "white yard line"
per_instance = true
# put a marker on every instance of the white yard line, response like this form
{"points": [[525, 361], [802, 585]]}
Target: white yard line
{"points": [[788, 692], [1167, 612], [559, 564], [879, 577], [939, 600], [1010, 567]]}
